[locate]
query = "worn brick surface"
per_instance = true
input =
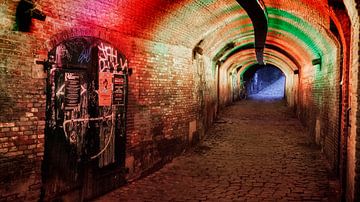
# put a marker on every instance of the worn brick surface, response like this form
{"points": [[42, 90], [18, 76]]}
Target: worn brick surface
{"points": [[167, 93], [254, 152]]}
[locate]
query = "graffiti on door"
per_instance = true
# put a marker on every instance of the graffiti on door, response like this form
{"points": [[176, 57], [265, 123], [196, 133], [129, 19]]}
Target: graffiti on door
{"points": [[86, 111]]}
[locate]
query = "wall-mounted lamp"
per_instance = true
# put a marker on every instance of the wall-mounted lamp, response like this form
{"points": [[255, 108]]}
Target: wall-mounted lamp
{"points": [[25, 11], [238, 68], [219, 63], [222, 52], [316, 61], [197, 49], [37, 14], [47, 63]]}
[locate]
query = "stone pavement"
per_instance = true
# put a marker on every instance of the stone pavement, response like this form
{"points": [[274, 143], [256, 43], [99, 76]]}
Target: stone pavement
{"points": [[255, 152]]}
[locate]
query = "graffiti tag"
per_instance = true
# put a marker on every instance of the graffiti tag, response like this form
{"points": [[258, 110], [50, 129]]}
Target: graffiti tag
{"points": [[85, 55], [60, 91], [62, 54], [109, 60]]}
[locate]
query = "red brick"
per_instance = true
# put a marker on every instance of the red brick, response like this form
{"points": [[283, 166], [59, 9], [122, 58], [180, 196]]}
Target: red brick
{"points": [[160, 52]]}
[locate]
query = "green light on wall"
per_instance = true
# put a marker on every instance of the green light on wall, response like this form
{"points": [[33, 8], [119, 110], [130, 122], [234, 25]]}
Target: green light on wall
{"points": [[321, 46], [160, 48], [316, 61], [308, 34]]}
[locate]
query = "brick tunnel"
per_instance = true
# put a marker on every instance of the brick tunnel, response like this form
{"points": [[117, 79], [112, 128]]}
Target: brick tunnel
{"points": [[158, 100]]}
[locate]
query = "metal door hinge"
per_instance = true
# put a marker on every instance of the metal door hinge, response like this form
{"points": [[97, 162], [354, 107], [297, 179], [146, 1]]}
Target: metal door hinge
{"points": [[47, 63]]}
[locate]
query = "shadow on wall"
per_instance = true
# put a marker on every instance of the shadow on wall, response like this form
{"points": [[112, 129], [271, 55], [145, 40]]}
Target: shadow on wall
{"points": [[15, 170], [5, 103], [9, 110]]}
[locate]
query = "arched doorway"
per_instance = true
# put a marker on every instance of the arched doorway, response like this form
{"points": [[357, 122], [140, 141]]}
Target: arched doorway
{"points": [[85, 133]]}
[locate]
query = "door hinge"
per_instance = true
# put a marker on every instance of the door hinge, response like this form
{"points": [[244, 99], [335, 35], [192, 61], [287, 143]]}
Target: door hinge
{"points": [[47, 63]]}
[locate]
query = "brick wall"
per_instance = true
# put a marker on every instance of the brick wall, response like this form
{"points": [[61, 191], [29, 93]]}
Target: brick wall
{"points": [[319, 90], [224, 86], [353, 182], [22, 118], [163, 102], [164, 112], [172, 100], [354, 103], [356, 68]]}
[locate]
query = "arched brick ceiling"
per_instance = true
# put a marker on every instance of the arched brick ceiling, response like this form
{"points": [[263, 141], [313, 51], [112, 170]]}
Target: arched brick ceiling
{"points": [[299, 27], [193, 22], [302, 34], [287, 63], [246, 59]]}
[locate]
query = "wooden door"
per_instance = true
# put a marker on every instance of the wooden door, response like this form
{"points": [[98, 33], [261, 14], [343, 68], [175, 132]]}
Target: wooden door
{"points": [[85, 121]]}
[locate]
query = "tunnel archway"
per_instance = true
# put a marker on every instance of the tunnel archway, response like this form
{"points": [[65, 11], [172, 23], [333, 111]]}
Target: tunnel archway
{"points": [[173, 95], [264, 82]]}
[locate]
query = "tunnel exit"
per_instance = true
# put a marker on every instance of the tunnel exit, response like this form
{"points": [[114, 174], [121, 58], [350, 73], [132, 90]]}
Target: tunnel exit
{"points": [[266, 82], [95, 95]]}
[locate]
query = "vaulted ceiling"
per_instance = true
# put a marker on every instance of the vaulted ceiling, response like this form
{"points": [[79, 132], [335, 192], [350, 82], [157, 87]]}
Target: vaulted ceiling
{"points": [[298, 31]]}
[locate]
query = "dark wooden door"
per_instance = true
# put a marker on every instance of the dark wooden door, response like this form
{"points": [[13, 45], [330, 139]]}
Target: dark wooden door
{"points": [[65, 134], [86, 123]]}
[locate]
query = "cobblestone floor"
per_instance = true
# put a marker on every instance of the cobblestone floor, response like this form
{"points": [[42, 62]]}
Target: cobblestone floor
{"points": [[255, 152]]}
